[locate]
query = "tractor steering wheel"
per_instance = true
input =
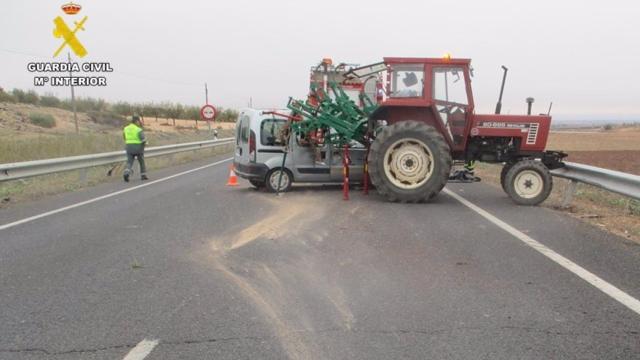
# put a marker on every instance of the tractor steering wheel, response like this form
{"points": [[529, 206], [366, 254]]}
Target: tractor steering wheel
{"points": [[448, 109]]}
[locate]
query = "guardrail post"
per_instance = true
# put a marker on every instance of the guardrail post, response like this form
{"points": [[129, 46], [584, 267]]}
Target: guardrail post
{"points": [[568, 193]]}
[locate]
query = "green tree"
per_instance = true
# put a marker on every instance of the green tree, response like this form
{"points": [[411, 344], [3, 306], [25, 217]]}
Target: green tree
{"points": [[50, 100], [6, 97], [228, 115], [18, 95], [122, 108], [31, 97], [152, 110], [192, 113]]}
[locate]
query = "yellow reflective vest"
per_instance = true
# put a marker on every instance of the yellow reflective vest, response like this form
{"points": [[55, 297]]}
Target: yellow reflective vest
{"points": [[132, 134]]}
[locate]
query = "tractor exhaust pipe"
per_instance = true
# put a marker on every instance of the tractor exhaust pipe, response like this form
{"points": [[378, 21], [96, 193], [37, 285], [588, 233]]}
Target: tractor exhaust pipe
{"points": [[530, 101], [504, 79]]}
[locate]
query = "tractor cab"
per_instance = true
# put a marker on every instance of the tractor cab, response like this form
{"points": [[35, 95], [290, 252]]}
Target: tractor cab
{"points": [[442, 85]]}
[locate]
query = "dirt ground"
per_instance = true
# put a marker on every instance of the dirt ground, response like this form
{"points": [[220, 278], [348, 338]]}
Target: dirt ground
{"points": [[14, 121], [616, 139], [616, 149], [620, 160], [167, 125]]}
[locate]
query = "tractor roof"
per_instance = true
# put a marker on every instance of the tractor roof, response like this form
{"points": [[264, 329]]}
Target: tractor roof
{"points": [[436, 61]]}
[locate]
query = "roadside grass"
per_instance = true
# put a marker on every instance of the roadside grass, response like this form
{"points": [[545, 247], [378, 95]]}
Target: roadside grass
{"points": [[616, 213], [51, 146], [46, 146], [12, 192], [42, 120]]}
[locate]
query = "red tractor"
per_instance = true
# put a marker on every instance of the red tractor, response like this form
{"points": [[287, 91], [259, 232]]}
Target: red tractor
{"points": [[425, 121]]}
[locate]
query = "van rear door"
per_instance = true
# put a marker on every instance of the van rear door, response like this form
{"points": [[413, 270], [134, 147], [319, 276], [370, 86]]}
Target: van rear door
{"points": [[242, 139]]}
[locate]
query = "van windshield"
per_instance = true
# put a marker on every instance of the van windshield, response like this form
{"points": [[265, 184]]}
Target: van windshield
{"points": [[272, 132]]}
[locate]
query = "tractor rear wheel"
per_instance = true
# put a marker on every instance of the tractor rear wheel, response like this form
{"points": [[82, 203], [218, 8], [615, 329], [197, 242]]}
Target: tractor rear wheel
{"points": [[409, 161], [528, 182]]}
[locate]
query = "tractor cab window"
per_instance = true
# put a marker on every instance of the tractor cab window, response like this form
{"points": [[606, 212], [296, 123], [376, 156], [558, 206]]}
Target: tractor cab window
{"points": [[449, 85], [407, 80], [450, 93], [272, 132]]}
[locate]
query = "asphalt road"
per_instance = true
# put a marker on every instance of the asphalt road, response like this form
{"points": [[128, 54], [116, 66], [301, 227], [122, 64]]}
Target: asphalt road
{"points": [[187, 268]]}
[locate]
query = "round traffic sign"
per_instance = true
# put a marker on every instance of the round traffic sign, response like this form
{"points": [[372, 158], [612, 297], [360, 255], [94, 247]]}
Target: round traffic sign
{"points": [[208, 112]]}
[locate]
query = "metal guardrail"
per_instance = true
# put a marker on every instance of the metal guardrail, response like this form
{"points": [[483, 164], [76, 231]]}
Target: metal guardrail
{"points": [[614, 181], [25, 169]]}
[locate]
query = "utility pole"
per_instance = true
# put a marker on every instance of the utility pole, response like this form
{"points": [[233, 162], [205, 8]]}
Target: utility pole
{"points": [[73, 96], [206, 99]]}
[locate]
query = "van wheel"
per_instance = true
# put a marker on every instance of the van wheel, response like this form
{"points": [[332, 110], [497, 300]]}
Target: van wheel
{"points": [[528, 182], [273, 176], [257, 184]]}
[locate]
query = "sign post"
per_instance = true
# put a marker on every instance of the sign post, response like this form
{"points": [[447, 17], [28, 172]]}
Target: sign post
{"points": [[208, 114]]}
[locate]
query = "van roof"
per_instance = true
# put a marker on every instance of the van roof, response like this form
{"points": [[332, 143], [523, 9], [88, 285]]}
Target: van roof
{"points": [[263, 109], [259, 112]]}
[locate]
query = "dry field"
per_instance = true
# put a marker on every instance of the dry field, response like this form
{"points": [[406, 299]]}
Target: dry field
{"points": [[14, 121], [22, 141], [617, 149]]}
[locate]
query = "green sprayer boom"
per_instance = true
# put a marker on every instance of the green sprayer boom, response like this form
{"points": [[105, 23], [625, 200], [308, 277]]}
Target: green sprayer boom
{"points": [[338, 115]]}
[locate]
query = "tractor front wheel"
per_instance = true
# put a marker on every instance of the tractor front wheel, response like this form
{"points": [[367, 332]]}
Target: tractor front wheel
{"points": [[528, 182], [409, 161], [503, 174]]}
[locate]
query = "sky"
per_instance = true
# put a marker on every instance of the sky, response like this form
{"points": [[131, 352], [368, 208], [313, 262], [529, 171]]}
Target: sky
{"points": [[581, 55]]}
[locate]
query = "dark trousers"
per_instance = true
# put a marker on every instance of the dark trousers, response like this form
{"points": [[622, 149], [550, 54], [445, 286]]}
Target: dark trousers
{"points": [[135, 151]]}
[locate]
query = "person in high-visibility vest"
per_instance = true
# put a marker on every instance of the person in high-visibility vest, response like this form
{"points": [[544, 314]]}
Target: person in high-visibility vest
{"points": [[135, 142]]}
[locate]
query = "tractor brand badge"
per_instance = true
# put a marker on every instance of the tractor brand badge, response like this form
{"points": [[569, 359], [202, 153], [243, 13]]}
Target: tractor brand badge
{"points": [[503, 125], [62, 30]]}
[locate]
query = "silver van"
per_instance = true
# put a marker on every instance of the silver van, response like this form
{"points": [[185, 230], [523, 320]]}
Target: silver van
{"points": [[260, 150]]}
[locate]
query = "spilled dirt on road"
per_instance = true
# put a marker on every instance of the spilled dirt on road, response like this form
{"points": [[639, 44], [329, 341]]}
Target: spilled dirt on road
{"points": [[284, 218], [280, 263], [283, 228], [290, 338]]}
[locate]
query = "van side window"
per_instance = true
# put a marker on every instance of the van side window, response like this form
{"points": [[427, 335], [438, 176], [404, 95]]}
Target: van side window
{"points": [[238, 127], [271, 132], [302, 139], [244, 131]]}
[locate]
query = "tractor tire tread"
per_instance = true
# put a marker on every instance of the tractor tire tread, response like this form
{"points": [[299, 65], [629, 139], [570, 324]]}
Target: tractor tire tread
{"points": [[536, 166], [435, 141]]}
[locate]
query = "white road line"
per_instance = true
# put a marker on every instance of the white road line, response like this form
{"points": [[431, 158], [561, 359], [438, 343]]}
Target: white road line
{"points": [[619, 295], [73, 206], [141, 350]]}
